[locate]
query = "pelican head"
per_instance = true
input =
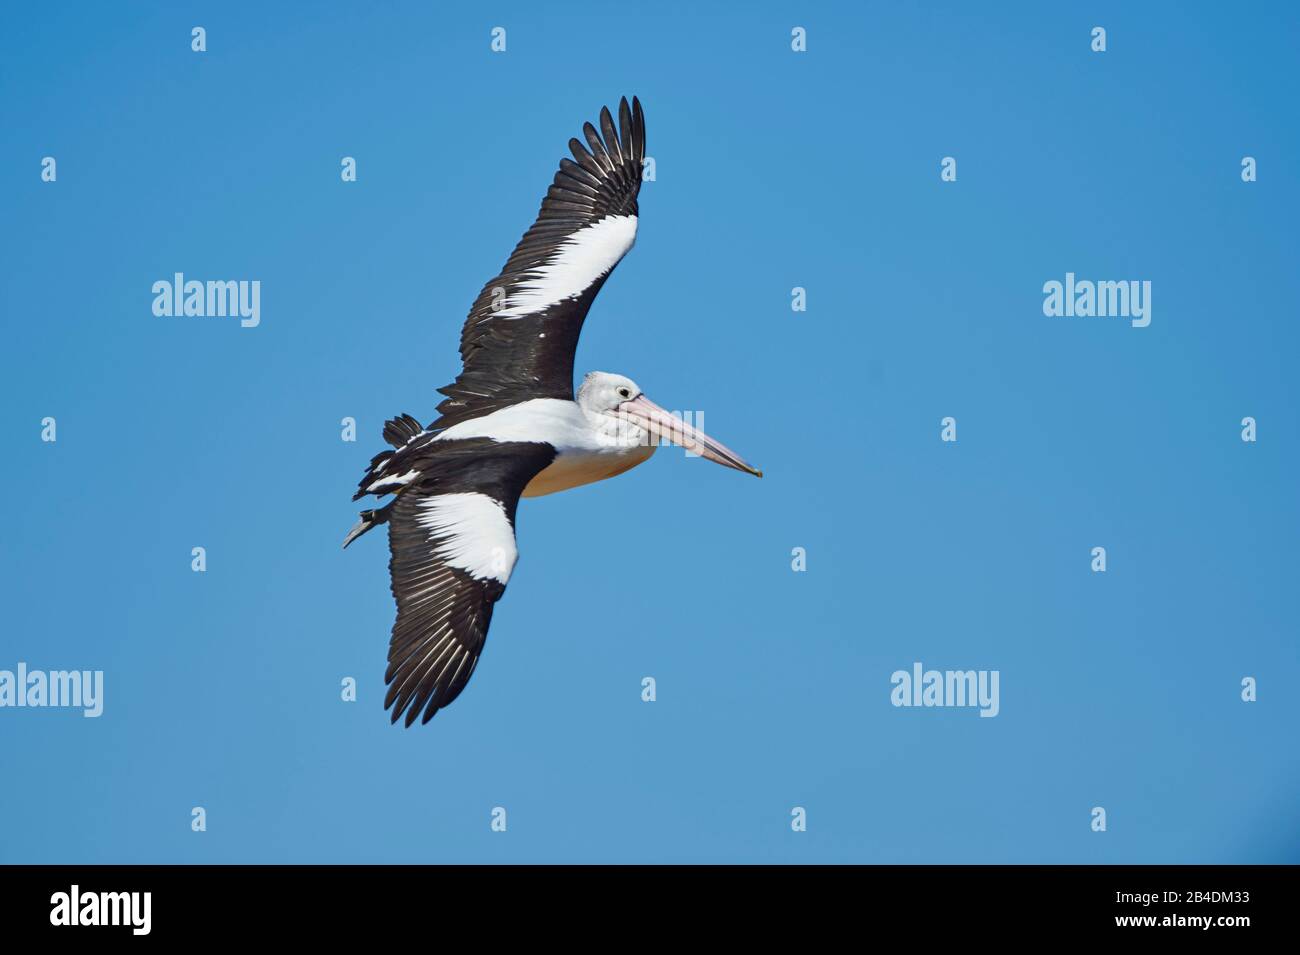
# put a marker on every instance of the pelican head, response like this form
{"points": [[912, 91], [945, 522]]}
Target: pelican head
{"points": [[620, 398]]}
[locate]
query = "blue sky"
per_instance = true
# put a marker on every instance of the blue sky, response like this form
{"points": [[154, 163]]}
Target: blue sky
{"points": [[774, 169]]}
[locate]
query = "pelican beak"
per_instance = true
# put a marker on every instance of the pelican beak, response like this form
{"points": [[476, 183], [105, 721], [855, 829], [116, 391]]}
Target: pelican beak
{"points": [[666, 426]]}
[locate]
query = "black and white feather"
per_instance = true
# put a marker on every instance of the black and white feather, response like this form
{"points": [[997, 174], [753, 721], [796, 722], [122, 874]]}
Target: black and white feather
{"points": [[522, 332], [452, 543]]}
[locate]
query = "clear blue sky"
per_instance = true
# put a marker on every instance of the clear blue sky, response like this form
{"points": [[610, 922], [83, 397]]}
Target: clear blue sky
{"points": [[775, 169]]}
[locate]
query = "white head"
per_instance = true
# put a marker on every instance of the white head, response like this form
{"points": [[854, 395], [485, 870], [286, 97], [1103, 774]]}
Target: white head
{"points": [[602, 392], [619, 397]]}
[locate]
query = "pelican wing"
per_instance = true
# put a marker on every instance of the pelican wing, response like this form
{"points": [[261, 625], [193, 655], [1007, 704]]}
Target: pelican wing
{"points": [[451, 534], [521, 335]]}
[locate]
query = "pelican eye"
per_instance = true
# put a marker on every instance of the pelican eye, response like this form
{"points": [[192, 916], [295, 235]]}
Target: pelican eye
{"points": [[624, 393]]}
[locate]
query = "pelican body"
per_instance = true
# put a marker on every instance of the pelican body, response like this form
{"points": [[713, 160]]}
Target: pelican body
{"points": [[511, 425]]}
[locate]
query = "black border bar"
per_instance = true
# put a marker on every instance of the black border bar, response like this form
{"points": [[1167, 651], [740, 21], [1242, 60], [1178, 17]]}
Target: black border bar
{"points": [[214, 903]]}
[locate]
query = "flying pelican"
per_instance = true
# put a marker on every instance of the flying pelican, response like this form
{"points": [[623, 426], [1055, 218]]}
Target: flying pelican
{"points": [[510, 425]]}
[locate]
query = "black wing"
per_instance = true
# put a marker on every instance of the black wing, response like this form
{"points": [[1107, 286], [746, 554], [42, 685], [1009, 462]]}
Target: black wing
{"points": [[452, 539], [519, 340]]}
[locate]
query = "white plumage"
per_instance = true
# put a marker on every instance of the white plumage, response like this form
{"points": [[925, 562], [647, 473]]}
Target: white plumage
{"points": [[471, 533], [578, 261]]}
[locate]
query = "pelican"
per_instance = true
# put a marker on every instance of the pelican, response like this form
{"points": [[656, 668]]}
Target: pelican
{"points": [[511, 426]]}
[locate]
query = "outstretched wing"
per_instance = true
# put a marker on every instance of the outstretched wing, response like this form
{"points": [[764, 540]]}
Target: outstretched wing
{"points": [[452, 539], [519, 340]]}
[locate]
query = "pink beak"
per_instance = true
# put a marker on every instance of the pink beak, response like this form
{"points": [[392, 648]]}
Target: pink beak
{"points": [[666, 426]]}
